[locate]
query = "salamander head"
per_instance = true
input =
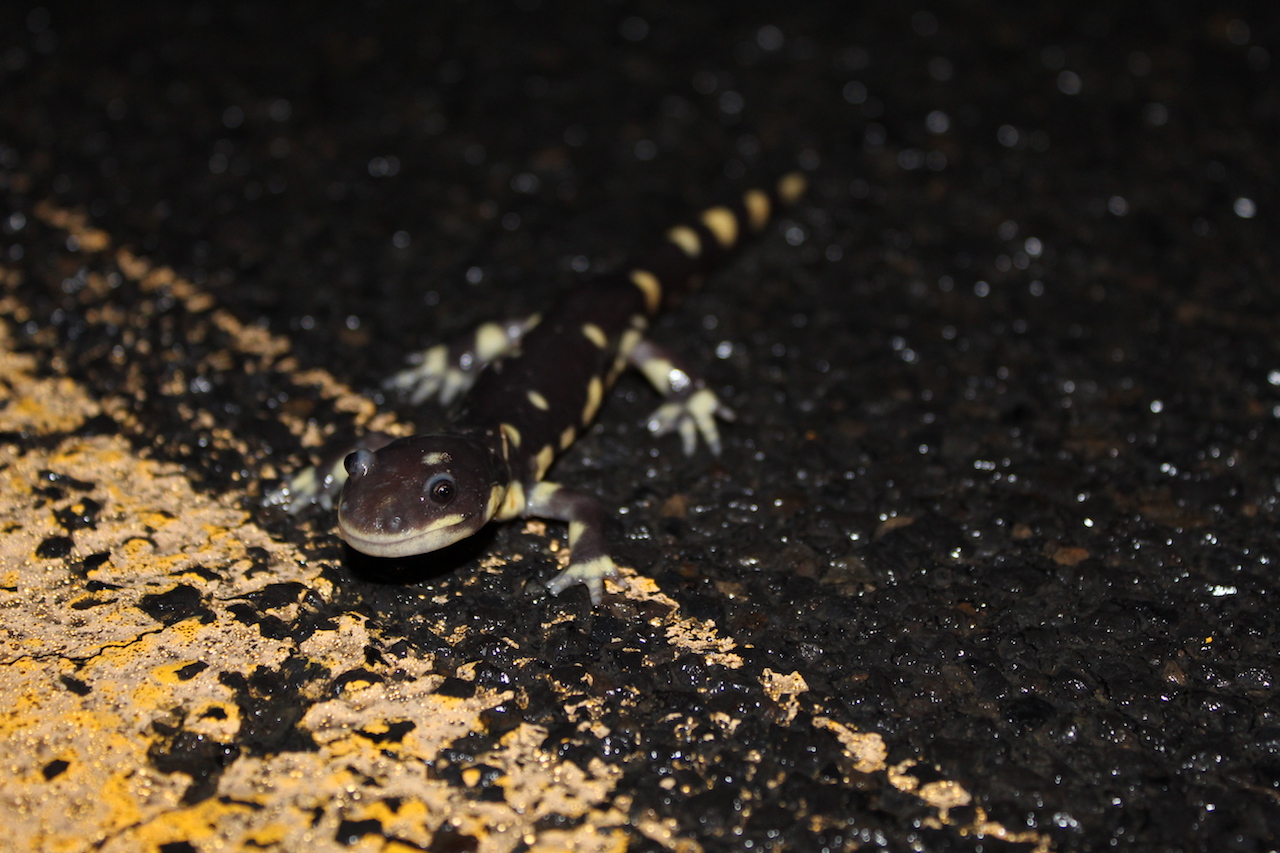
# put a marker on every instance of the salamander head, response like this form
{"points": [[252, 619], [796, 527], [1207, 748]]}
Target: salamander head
{"points": [[418, 494]]}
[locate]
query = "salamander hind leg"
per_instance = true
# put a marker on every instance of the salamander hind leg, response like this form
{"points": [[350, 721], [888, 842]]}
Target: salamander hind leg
{"points": [[589, 560], [691, 408], [691, 417]]}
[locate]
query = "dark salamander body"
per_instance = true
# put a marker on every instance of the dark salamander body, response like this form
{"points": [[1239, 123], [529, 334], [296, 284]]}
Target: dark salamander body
{"points": [[531, 386]]}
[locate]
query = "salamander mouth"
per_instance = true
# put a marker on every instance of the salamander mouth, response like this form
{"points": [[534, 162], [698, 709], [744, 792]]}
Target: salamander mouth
{"points": [[441, 533]]}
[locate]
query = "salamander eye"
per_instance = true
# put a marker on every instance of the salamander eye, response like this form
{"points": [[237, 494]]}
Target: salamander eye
{"points": [[359, 463], [441, 489]]}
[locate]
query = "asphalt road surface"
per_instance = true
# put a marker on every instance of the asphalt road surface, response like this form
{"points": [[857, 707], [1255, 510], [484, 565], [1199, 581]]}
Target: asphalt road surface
{"points": [[989, 560]]}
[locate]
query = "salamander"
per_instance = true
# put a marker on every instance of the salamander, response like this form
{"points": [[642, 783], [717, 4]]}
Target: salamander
{"points": [[527, 389]]}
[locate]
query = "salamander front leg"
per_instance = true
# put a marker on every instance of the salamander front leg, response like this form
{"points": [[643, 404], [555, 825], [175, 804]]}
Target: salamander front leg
{"points": [[589, 560], [691, 408], [447, 371]]}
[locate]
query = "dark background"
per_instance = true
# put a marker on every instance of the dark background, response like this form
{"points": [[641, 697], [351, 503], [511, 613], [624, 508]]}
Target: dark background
{"points": [[1004, 484]]}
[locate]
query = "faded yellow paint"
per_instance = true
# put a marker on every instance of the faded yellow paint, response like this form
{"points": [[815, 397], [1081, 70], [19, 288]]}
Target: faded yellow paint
{"points": [[944, 795], [197, 825], [168, 673], [354, 744], [120, 794], [217, 719], [186, 632], [27, 693], [572, 793], [44, 413], [867, 750], [159, 532], [784, 689], [413, 810], [149, 694], [247, 338], [269, 836]]}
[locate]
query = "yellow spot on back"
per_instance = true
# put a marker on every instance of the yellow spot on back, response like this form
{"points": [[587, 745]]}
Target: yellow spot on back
{"points": [[791, 186], [545, 457], [649, 286], [538, 400], [595, 334], [626, 344], [543, 492], [723, 224], [630, 338], [496, 494], [511, 434], [595, 391], [513, 503], [687, 239], [567, 437], [757, 205]]}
